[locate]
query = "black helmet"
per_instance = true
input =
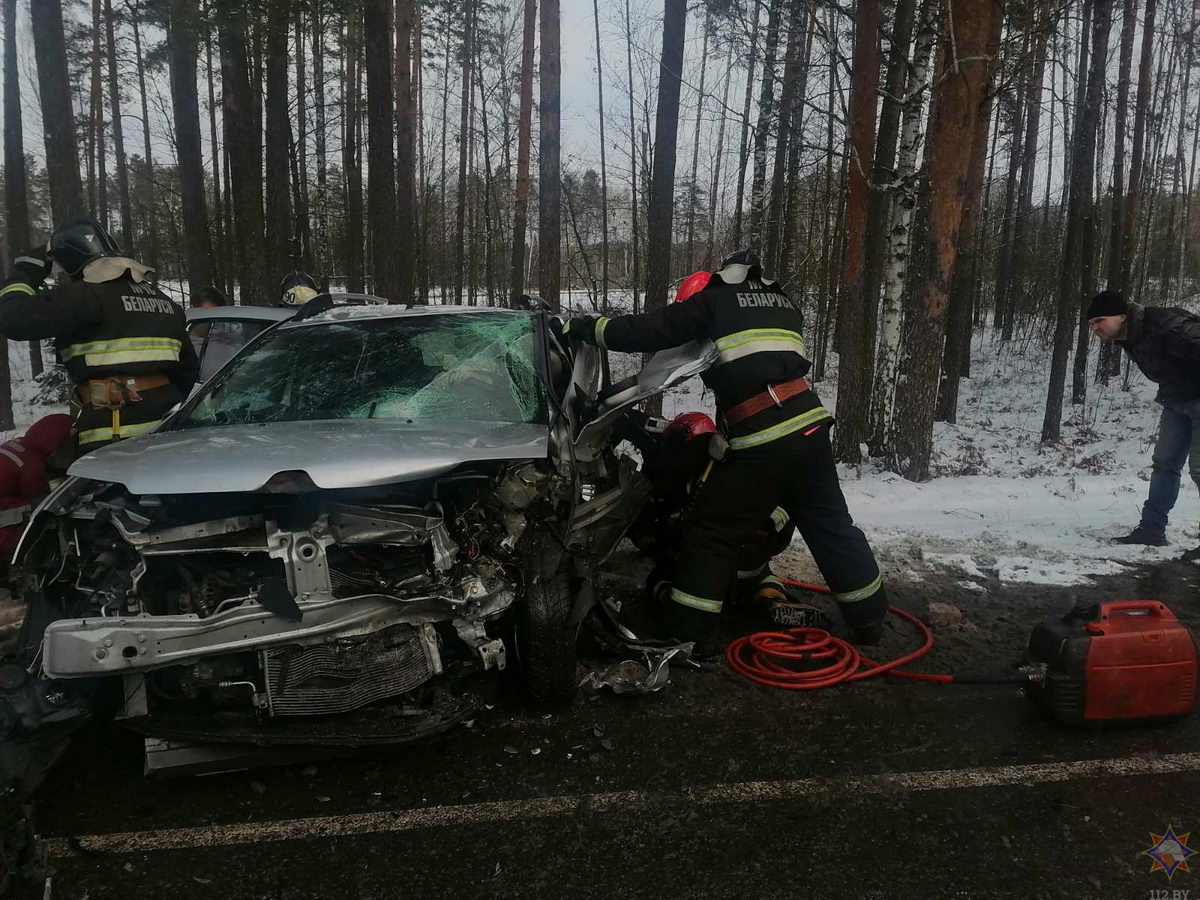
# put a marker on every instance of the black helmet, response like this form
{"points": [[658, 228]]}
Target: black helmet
{"points": [[77, 242], [746, 258], [297, 288]]}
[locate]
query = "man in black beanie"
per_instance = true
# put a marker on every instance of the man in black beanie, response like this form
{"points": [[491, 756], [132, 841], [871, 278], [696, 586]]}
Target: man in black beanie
{"points": [[1165, 344]]}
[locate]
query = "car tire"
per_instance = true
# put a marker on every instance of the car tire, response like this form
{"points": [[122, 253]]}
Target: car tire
{"points": [[546, 640]]}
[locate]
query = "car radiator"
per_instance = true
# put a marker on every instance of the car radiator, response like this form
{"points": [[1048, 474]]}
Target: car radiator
{"points": [[345, 675]]}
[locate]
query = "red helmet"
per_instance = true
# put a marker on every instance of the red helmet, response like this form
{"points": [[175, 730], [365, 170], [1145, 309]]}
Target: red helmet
{"points": [[693, 284], [690, 426]]}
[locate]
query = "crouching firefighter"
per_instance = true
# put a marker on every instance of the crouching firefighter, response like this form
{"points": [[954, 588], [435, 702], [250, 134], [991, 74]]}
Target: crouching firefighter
{"points": [[122, 341], [674, 464], [773, 449]]}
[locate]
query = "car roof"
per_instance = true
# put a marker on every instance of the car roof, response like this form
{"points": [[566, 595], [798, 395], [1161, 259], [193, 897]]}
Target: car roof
{"points": [[396, 311], [244, 313], [275, 313]]}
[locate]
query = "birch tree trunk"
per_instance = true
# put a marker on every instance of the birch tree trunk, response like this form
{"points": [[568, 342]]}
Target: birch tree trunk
{"points": [[897, 251]]}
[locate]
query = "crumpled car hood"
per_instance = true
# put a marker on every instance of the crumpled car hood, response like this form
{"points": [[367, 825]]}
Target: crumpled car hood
{"points": [[341, 454]]}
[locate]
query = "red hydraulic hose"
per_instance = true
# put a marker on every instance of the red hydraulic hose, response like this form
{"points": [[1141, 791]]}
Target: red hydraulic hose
{"points": [[805, 659]]}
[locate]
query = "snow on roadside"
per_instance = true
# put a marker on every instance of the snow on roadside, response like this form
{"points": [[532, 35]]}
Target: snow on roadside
{"points": [[1001, 505]]}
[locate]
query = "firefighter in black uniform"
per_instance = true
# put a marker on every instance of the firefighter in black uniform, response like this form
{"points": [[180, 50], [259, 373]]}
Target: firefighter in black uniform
{"points": [[773, 449], [123, 342]]}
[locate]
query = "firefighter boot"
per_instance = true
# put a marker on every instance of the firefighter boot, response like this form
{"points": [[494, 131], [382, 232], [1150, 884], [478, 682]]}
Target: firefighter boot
{"points": [[865, 617], [694, 625]]}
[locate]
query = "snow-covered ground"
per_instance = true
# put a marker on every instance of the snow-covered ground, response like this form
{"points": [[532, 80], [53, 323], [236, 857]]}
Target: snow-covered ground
{"points": [[1000, 505]]}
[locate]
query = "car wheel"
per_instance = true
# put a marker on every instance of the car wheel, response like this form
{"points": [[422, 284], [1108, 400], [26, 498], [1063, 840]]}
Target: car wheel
{"points": [[546, 639]]}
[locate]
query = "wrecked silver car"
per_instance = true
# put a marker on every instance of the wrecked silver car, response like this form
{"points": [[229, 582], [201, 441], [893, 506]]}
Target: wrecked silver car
{"points": [[362, 516]]}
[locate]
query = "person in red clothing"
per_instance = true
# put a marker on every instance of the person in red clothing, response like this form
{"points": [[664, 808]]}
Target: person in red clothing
{"points": [[27, 465]]}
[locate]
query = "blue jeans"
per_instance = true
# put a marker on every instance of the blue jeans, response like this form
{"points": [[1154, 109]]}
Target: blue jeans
{"points": [[1178, 440]]}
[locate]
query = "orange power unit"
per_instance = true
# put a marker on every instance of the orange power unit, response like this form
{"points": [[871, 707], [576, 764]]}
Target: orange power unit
{"points": [[1125, 662]]}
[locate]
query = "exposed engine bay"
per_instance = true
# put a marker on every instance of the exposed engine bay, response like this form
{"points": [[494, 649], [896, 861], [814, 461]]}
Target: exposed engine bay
{"points": [[290, 604]]}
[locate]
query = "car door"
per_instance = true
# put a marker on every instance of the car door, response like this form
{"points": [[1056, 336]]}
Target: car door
{"points": [[217, 340]]}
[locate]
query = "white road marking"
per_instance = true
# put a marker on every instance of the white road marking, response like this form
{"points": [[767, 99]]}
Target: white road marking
{"points": [[384, 822]]}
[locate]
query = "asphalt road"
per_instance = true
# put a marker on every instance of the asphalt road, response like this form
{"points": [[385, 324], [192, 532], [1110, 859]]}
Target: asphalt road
{"points": [[713, 788]]}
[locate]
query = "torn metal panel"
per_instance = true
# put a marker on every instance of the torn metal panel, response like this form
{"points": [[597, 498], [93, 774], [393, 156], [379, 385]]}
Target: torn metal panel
{"points": [[648, 675]]}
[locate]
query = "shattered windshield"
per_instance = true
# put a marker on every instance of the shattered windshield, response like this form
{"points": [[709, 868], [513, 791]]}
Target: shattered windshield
{"points": [[466, 367]]}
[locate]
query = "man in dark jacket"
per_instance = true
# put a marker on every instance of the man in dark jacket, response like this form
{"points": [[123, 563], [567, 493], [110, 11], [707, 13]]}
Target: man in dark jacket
{"points": [[1165, 344], [122, 341], [773, 449]]}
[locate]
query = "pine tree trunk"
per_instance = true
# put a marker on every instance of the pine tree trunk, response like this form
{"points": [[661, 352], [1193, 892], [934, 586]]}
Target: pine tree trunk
{"points": [[220, 251], [693, 191], [464, 128], [958, 318], [1007, 222], [1083, 153], [352, 147], [854, 376], [549, 164], [1173, 261], [182, 46], [661, 206], [766, 112], [965, 60], [279, 245], [898, 248], [321, 253], [421, 191], [244, 159], [715, 193], [406, 157], [744, 144], [125, 233], [1089, 261], [1117, 240], [381, 154], [797, 27], [516, 279], [148, 156], [58, 119], [1033, 114], [1133, 199]]}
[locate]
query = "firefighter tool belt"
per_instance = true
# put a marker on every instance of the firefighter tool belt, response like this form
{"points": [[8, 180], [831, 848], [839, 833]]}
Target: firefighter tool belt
{"points": [[116, 391], [772, 396]]}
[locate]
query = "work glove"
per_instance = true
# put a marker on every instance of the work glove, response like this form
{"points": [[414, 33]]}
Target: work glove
{"points": [[581, 328], [32, 266]]}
